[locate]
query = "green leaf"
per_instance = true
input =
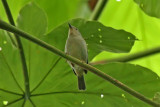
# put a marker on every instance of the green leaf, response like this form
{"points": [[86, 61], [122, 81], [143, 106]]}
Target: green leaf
{"points": [[150, 7], [52, 81], [9, 65], [8, 98], [61, 89], [59, 11], [53, 9], [139, 78], [29, 103], [11, 81], [14, 7], [98, 37], [32, 19]]}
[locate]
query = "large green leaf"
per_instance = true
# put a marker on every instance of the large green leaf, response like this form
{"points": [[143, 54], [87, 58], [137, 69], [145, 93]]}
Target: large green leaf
{"points": [[52, 81], [97, 36], [33, 20], [31, 14], [151, 7], [59, 11], [99, 92]]}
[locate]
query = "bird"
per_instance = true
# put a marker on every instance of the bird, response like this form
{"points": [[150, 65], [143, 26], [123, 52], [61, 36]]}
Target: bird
{"points": [[76, 46]]}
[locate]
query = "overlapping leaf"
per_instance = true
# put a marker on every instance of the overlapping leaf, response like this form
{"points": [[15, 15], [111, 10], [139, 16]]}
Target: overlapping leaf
{"points": [[151, 7], [98, 37]]}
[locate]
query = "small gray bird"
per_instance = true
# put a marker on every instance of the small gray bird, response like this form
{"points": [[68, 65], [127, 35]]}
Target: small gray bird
{"points": [[76, 47]]}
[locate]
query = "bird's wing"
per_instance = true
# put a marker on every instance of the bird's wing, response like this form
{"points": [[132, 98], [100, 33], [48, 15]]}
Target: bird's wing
{"points": [[85, 69]]}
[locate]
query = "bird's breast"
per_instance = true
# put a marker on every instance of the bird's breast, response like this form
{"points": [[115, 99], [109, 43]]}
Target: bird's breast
{"points": [[76, 47]]}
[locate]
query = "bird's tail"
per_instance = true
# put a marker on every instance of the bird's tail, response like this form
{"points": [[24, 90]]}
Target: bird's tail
{"points": [[81, 83]]}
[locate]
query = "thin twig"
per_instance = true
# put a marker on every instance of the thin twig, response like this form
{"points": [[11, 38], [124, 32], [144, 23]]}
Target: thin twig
{"points": [[98, 9], [21, 51], [131, 57], [10, 28]]}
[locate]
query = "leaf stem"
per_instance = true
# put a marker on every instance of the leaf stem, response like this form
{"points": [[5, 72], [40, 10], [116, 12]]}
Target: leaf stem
{"points": [[12, 102], [46, 75], [10, 28], [32, 102], [74, 92], [10, 92], [98, 9], [21, 50], [9, 68], [129, 57]]}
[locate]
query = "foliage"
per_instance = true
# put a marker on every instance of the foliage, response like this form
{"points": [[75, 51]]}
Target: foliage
{"points": [[151, 7], [128, 16], [52, 81]]}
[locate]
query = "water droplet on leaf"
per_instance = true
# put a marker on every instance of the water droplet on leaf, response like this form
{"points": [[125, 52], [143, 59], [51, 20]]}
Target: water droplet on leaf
{"points": [[82, 102], [5, 102], [102, 95], [123, 95], [99, 29]]}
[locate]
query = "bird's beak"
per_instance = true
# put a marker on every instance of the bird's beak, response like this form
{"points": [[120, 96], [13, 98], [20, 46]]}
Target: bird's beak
{"points": [[70, 26]]}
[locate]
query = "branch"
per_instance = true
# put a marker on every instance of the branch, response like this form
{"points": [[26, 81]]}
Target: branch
{"points": [[98, 9], [21, 51], [10, 28], [129, 57]]}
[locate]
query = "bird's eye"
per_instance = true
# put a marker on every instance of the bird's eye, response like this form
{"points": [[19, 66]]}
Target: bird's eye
{"points": [[76, 28]]}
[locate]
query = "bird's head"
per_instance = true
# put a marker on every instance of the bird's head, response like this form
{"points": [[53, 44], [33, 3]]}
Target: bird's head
{"points": [[73, 31]]}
